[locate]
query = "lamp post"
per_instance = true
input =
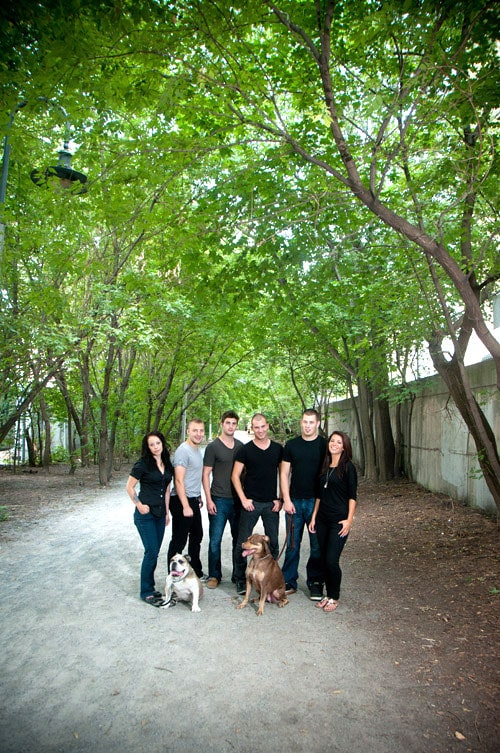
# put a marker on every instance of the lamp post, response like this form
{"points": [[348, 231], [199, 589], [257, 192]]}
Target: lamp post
{"points": [[62, 174]]}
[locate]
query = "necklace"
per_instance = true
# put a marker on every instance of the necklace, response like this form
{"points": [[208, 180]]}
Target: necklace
{"points": [[328, 476]]}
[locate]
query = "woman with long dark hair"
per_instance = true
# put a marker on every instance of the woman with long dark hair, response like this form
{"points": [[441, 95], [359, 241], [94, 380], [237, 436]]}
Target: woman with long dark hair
{"points": [[153, 472], [334, 512]]}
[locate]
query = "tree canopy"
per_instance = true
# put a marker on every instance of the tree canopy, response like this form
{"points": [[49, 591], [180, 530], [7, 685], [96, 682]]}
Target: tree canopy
{"points": [[285, 201]]}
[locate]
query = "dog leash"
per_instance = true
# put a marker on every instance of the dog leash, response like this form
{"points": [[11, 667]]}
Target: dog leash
{"points": [[290, 526]]}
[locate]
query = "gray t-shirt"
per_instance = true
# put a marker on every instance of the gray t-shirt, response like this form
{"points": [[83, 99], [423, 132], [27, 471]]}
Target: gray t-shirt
{"points": [[220, 459], [191, 459]]}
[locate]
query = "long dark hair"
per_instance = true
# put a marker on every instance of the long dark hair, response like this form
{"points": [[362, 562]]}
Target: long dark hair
{"points": [[344, 458], [146, 453]]}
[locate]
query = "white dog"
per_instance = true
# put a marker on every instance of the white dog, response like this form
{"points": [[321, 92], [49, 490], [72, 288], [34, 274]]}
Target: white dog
{"points": [[182, 583]]}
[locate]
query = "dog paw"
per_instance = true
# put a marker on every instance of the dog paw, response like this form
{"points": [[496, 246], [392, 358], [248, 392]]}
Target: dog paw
{"points": [[168, 603], [196, 609]]}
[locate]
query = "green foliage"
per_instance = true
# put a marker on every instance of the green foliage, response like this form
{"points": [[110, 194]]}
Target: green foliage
{"points": [[220, 257], [60, 455]]}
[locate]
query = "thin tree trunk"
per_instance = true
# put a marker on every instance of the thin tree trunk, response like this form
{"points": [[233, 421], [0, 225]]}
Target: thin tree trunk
{"points": [[46, 453], [384, 439], [87, 393], [365, 399], [361, 449], [31, 448]]}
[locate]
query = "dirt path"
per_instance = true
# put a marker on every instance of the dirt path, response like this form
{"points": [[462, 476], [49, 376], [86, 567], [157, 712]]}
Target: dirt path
{"points": [[407, 664]]}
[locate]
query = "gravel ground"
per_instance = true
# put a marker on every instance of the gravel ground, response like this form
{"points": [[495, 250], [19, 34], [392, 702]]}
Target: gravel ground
{"points": [[86, 666]]}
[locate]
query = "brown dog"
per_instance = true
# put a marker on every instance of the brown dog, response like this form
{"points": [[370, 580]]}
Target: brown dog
{"points": [[263, 573]]}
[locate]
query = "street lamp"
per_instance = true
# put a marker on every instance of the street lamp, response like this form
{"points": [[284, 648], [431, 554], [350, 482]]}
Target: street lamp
{"points": [[62, 172], [61, 176]]}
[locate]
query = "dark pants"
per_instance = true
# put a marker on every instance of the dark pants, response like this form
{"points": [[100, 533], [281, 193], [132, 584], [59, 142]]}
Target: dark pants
{"points": [[151, 530], [248, 521], [182, 528], [331, 546]]}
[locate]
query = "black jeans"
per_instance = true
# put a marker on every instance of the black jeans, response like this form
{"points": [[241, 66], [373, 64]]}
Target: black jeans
{"points": [[331, 546], [248, 521], [182, 528]]}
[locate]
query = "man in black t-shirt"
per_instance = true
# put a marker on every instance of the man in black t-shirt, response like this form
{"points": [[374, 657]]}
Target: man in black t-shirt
{"points": [[260, 459], [302, 460]]}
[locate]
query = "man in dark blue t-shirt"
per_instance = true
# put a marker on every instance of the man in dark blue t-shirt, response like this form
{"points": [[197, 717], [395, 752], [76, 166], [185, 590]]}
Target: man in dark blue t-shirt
{"points": [[260, 460], [302, 460]]}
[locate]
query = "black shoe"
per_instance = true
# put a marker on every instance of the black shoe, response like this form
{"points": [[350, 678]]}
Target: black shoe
{"points": [[154, 600], [316, 590], [289, 589], [241, 587]]}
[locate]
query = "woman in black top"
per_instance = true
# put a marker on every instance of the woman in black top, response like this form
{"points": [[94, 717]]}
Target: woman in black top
{"points": [[154, 473], [334, 512]]}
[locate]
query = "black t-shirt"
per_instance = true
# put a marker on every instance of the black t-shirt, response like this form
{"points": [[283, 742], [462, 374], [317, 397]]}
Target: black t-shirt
{"points": [[305, 458], [153, 485], [260, 481], [335, 496]]}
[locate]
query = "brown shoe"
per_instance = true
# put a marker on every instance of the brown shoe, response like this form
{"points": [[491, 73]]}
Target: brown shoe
{"points": [[212, 583]]}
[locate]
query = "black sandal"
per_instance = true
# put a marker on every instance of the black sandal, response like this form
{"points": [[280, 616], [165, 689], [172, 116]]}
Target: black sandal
{"points": [[153, 600]]}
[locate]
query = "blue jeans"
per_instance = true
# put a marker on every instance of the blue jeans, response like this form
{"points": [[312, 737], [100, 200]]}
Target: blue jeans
{"points": [[227, 512], [295, 527], [151, 530], [248, 521]]}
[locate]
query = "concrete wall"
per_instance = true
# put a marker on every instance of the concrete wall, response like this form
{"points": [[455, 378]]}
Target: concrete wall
{"points": [[443, 454]]}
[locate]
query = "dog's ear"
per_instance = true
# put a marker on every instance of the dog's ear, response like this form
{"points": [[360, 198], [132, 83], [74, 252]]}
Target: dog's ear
{"points": [[187, 557], [266, 538]]}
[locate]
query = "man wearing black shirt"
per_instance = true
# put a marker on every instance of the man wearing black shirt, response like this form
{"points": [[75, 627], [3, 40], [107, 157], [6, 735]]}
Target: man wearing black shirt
{"points": [[302, 460], [260, 459]]}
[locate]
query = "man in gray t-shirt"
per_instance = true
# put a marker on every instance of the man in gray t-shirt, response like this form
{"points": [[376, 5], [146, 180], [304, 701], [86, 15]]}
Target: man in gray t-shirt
{"points": [[185, 499], [221, 503]]}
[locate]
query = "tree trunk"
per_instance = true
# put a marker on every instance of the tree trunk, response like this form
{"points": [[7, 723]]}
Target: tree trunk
{"points": [[126, 373], [73, 418], [365, 399], [31, 448], [71, 447], [103, 419], [408, 462], [46, 453], [361, 451], [398, 443], [87, 393], [455, 377], [384, 439]]}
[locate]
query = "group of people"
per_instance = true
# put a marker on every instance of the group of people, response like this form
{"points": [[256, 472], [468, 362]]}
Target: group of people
{"points": [[318, 488]]}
